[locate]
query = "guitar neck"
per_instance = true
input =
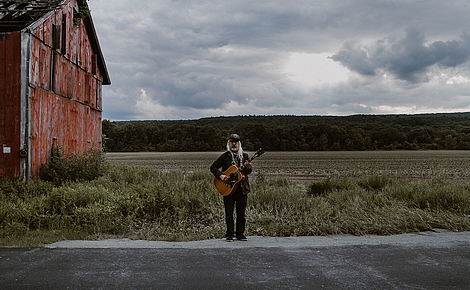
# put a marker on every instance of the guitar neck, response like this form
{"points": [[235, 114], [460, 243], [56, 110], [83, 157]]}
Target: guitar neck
{"points": [[243, 165], [257, 154]]}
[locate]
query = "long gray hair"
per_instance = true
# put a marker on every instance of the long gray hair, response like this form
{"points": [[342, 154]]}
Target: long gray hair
{"points": [[240, 149]]}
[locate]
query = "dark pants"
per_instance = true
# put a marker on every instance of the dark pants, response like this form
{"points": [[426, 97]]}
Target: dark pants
{"points": [[238, 200]]}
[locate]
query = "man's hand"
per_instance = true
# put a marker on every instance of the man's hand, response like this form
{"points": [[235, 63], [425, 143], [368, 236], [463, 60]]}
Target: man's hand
{"points": [[223, 177], [247, 164]]}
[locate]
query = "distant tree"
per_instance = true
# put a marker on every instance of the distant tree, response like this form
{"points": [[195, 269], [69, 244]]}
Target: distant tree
{"points": [[451, 143], [293, 133], [322, 143], [420, 135]]}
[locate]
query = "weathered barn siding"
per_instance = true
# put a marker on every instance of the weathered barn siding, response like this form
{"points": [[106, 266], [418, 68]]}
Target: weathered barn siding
{"points": [[52, 74], [50, 114], [10, 104], [65, 102]]}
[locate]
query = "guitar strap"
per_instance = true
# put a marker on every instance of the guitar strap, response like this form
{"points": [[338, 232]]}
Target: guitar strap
{"points": [[235, 160]]}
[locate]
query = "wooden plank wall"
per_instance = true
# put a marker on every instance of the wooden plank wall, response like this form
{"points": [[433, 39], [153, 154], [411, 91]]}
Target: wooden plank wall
{"points": [[61, 122], [10, 104], [67, 114]]}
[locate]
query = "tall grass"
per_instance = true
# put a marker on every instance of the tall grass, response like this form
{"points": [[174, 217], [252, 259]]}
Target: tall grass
{"points": [[78, 166], [144, 203]]}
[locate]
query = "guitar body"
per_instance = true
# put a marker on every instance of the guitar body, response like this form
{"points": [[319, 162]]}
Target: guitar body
{"points": [[227, 188], [235, 175]]}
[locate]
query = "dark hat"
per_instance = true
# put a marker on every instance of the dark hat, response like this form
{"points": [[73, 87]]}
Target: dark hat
{"points": [[234, 137]]}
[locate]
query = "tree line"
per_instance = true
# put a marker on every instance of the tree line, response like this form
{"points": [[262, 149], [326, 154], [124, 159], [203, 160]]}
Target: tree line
{"points": [[291, 133]]}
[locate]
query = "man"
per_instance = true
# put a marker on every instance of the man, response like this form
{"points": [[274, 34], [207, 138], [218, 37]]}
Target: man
{"points": [[234, 156]]}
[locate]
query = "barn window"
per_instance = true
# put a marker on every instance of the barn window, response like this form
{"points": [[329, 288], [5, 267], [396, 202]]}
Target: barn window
{"points": [[77, 18], [56, 42], [63, 47], [93, 64], [53, 68], [55, 36], [77, 21], [97, 94]]}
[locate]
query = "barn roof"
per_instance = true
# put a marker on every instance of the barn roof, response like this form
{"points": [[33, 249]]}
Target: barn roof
{"points": [[16, 15]]}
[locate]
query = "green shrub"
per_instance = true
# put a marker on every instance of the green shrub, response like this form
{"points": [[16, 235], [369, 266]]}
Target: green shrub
{"points": [[73, 166], [15, 189], [321, 188], [11, 189], [376, 182]]}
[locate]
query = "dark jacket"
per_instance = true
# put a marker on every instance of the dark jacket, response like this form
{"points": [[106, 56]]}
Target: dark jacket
{"points": [[224, 162]]}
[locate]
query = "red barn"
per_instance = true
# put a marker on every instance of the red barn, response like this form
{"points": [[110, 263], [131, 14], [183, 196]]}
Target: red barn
{"points": [[51, 75]]}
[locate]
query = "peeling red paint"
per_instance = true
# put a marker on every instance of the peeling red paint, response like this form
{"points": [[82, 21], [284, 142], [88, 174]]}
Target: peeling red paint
{"points": [[61, 100]]}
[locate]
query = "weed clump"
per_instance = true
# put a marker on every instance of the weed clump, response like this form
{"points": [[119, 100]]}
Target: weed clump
{"points": [[323, 187], [64, 167], [375, 183]]}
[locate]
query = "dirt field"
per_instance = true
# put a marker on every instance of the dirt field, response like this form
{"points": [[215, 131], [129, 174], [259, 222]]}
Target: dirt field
{"points": [[303, 167]]}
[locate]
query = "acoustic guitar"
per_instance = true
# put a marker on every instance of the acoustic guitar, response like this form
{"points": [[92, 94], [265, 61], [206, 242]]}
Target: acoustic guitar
{"points": [[235, 175]]}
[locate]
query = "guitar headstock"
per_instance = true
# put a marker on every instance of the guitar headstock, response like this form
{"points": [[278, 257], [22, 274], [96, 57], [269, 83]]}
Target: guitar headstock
{"points": [[259, 152]]}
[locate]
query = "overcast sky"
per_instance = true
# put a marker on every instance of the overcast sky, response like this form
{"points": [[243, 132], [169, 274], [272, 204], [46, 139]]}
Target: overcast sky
{"points": [[189, 59]]}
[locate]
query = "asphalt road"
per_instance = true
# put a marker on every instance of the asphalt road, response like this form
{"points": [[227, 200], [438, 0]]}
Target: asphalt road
{"points": [[431, 260]]}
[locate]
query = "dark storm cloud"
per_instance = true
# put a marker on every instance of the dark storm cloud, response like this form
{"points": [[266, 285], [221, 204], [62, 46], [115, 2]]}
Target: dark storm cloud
{"points": [[187, 59], [407, 59]]}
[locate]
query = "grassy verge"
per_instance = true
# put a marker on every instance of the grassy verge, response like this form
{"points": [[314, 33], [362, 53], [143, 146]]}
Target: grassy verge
{"points": [[144, 203]]}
